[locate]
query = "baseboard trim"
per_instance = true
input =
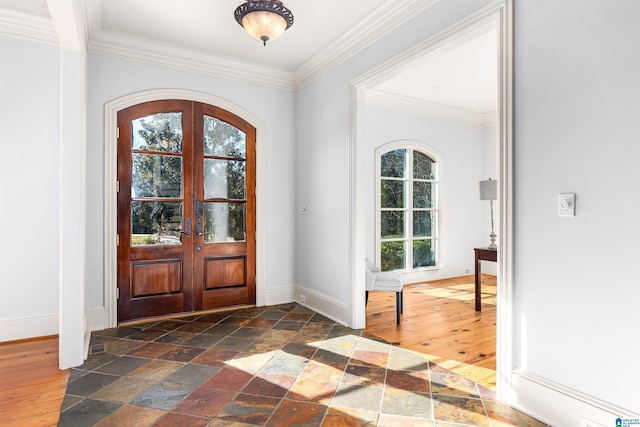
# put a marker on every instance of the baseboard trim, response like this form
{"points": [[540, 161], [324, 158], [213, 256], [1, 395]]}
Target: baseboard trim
{"points": [[323, 304], [558, 405], [281, 295], [97, 319], [28, 327]]}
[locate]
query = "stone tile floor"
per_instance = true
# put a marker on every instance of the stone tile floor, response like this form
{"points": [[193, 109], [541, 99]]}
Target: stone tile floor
{"points": [[282, 365]]}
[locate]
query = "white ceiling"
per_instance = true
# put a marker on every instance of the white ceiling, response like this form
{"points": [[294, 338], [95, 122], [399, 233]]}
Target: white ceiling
{"points": [[203, 35]]}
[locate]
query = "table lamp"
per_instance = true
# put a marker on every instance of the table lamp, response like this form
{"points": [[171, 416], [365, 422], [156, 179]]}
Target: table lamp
{"points": [[489, 191]]}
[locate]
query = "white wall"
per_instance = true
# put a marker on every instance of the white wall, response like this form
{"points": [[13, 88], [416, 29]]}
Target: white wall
{"points": [[576, 130], [461, 148], [111, 78], [29, 188]]}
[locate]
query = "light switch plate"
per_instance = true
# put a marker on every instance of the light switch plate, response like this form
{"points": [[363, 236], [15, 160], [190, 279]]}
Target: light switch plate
{"points": [[567, 204]]}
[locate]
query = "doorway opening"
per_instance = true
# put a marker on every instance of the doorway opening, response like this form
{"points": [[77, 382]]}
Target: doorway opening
{"points": [[499, 15]]}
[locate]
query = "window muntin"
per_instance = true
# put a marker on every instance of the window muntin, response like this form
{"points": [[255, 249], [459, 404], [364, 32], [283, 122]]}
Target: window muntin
{"points": [[408, 211]]}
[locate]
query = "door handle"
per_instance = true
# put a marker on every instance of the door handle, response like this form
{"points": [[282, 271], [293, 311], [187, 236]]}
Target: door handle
{"points": [[199, 226], [187, 227]]}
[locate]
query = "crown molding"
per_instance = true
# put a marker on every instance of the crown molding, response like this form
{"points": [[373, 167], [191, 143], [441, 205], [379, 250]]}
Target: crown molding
{"points": [[388, 17], [26, 26], [417, 107], [391, 15], [114, 44]]}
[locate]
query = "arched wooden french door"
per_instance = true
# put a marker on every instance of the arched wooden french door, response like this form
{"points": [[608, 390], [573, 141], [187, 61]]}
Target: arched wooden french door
{"points": [[186, 209]]}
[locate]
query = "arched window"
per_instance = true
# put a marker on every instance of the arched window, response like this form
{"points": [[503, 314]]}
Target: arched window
{"points": [[407, 197]]}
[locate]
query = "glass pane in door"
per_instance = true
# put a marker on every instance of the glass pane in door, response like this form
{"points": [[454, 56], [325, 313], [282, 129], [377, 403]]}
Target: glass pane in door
{"points": [[224, 222], [158, 132], [155, 223], [224, 179], [223, 140], [155, 175]]}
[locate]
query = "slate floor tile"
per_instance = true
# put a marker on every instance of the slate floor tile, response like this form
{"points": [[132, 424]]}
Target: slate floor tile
{"points": [[285, 364], [122, 365], [173, 419], [156, 369], [453, 385], [459, 410], [269, 385], [205, 402], [250, 409], [163, 396], [123, 346], [407, 403], [90, 383], [304, 414], [124, 390], [175, 337], [348, 417], [214, 357], [220, 330], [234, 344], [229, 379], [358, 397], [309, 389], [131, 416], [87, 413], [192, 374], [152, 350], [97, 360], [181, 354], [408, 380], [148, 335], [203, 341], [247, 332]]}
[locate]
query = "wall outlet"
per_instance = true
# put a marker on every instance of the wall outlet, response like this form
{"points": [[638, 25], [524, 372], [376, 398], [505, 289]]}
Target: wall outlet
{"points": [[467, 270], [585, 422], [302, 298]]}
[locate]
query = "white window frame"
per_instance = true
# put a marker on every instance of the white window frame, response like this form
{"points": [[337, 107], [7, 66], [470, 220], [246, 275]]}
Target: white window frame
{"points": [[408, 238]]}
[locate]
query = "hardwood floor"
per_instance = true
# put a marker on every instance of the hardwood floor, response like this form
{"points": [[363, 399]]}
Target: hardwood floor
{"points": [[31, 386], [440, 321]]}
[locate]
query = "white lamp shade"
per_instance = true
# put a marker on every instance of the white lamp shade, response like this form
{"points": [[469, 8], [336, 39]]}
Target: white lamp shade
{"points": [[263, 25], [489, 189]]}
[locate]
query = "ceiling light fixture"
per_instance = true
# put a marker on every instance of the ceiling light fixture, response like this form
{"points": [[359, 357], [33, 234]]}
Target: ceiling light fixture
{"points": [[264, 19]]}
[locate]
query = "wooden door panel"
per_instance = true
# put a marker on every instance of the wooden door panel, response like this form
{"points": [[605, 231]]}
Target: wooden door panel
{"points": [[225, 272], [150, 278], [225, 297]]}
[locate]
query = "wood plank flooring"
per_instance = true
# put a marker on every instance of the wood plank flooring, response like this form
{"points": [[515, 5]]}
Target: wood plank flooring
{"points": [[440, 320], [31, 385]]}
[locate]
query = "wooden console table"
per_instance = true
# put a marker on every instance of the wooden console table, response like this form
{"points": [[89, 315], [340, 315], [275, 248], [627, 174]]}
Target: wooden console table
{"points": [[482, 254]]}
